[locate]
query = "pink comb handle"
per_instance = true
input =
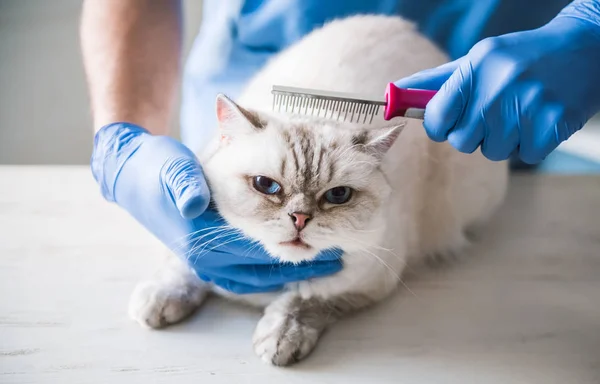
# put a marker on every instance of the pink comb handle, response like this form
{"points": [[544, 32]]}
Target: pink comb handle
{"points": [[398, 100]]}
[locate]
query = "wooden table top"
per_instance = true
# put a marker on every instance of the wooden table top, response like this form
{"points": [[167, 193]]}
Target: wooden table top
{"points": [[523, 307]]}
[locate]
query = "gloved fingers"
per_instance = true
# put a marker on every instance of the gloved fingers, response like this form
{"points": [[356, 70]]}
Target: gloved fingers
{"points": [[543, 138], [469, 131], [244, 289], [467, 138], [235, 286], [569, 124], [113, 146], [310, 270], [329, 254], [447, 107], [516, 110], [266, 275], [499, 144], [284, 273], [185, 182], [431, 79], [216, 241]]}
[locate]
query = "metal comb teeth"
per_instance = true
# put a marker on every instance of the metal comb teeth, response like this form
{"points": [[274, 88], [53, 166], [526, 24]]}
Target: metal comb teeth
{"points": [[332, 105]]}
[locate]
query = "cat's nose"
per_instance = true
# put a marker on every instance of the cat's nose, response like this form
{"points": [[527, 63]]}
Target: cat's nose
{"points": [[300, 219]]}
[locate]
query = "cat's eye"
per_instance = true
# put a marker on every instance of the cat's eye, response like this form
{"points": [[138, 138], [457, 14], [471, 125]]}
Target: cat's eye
{"points": [[338, 195], [265, 185]]}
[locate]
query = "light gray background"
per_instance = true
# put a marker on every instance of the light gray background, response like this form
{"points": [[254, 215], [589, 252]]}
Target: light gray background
{"points": [[44, 111]]}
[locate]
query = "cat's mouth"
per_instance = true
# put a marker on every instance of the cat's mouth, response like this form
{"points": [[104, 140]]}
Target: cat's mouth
{"points": [[297, 242]]}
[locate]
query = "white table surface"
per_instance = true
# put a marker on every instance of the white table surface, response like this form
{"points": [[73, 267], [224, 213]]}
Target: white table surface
{"points": [[524, 307]]}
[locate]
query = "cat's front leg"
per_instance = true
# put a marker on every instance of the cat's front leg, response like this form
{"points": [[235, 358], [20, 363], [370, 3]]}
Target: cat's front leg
{"points": [[292, 324], [170, 296]]}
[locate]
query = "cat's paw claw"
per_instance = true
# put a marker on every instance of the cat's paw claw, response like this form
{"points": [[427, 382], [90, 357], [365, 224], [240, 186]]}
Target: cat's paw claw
{"points": [[283, 340], [154, 305]]}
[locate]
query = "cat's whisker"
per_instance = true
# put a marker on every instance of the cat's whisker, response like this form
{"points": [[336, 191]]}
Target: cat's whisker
{"points": [[198, 248], [375, 246], [219, 236], [364, 230], [197, 239], [219, 230], [186, 239], [202, 252], [253, 245], [194, 233], [396, 275], [195, 253], [234, 239], [207, 251], [378, 247]]}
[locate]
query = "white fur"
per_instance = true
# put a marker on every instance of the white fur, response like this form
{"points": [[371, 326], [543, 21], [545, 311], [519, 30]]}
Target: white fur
{"points": [[430, 192]]}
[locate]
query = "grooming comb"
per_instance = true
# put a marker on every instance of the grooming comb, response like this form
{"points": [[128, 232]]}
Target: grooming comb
{"points": [[349, 107]]}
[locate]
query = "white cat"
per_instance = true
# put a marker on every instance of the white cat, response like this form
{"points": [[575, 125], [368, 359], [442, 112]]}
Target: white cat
{"points": [[384, 192]]}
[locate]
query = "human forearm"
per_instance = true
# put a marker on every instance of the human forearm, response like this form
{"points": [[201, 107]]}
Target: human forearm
{"points": [[132, 51]]}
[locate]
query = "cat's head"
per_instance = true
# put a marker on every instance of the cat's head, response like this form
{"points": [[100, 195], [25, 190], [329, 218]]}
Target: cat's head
{"points": [[299, 185]]}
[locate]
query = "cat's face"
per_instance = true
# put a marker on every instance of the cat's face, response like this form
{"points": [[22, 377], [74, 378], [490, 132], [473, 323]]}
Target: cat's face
{"points": [[299, 186]]}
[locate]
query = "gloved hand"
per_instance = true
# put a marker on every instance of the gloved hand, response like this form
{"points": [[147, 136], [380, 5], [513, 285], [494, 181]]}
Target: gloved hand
{"points": [[160, 183], [523, 92]]}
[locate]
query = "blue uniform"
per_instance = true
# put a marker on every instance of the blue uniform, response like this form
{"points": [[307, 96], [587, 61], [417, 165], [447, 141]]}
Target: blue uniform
{"points": [[237, 37]]}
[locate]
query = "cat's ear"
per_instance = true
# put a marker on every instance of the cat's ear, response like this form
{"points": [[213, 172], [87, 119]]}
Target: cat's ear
{"points": [[234, 120], [377, 141]]}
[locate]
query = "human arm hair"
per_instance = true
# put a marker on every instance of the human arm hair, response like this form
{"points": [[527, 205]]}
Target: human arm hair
{"points": [[132, 57]]}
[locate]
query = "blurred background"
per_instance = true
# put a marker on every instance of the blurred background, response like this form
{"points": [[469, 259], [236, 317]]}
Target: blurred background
{"points": [[44, 111]]}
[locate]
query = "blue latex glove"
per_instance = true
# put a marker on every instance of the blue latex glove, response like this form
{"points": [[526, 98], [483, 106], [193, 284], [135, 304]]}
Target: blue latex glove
{"points": [[160, 183], [523, 92]]}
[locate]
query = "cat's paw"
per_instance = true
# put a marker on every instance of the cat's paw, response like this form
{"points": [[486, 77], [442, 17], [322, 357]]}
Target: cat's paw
{"points": [[282, 338], [154, 304]]}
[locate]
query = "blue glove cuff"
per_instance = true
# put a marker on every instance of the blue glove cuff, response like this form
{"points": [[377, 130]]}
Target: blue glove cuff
{"points": [[585, 10], [113, 145]]}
